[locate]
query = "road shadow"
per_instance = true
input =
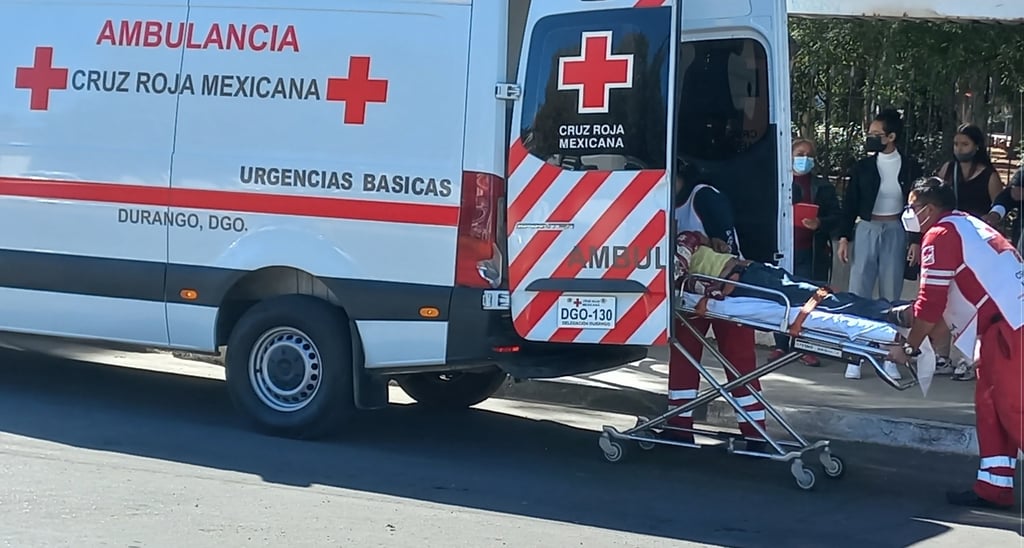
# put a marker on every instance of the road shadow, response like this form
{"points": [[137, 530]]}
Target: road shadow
{"points": [[490, 461]]}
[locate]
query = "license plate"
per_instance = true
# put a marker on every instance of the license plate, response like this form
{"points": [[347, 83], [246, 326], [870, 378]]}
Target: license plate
{"points": [[586, 312]]}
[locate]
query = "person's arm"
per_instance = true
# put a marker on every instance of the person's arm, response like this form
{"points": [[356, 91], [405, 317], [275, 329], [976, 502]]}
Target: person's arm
{"points": [[851, 201], [848, 218], [717, 216], [914, 238], [995, 185], [941, 257], [1002, 203]]}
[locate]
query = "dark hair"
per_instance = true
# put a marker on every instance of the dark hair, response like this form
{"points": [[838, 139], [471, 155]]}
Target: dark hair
{"points": [[892, 121], [691, 175], [977, 136], [934, 191]]}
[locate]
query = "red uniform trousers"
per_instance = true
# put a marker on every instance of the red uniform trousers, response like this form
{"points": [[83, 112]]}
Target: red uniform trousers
{"points": [[998, 410], [736, 343]]}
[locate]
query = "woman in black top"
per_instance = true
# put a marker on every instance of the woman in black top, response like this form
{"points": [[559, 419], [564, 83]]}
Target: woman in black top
{"points": [[974, 179]]}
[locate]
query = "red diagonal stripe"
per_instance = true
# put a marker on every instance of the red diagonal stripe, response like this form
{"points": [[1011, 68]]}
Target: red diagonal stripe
{"points": [[224, 200], [662, 338], [639, 312], [649, 237], [565, 212], [605, 226], [534, 191], [649, 3], [516, 155]]}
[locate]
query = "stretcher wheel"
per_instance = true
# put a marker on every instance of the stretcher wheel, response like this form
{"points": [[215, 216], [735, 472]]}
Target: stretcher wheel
{"points": [[803, 475], [645, 445], [613, 450], [833, 465]]}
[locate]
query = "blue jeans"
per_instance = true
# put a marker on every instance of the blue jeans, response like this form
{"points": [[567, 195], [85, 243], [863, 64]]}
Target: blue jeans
{"points": [[799, 290]]}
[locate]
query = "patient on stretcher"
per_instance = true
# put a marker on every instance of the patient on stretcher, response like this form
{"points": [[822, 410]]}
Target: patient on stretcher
{"points": [[694, 255]]}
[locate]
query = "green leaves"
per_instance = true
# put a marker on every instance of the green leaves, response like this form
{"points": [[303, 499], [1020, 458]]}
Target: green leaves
{"points": [[848, 69]]}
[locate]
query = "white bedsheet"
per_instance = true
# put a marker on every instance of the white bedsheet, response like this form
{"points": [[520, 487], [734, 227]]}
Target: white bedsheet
{"points": [[747, 308]]}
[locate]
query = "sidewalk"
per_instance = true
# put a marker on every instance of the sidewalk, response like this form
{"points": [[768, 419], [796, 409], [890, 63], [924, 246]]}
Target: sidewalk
{"points": [[818, 402]]}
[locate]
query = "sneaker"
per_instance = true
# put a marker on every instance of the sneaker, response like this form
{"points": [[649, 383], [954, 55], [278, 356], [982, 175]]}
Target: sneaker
{"points": [[944, 366], [852, 371], [892, 370], [964, 371]]}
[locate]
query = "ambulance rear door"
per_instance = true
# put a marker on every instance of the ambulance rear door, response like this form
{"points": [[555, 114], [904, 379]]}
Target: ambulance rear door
{"points": [[588, 186]]}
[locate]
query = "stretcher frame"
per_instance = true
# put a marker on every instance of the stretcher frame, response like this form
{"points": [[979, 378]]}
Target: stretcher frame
{"points": [[647, 431]]}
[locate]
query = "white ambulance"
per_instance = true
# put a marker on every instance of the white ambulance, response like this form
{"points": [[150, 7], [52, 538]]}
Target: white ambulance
{"points": [[344, 192]]}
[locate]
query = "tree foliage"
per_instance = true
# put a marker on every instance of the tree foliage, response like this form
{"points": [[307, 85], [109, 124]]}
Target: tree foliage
{"points": [[940, 74]]}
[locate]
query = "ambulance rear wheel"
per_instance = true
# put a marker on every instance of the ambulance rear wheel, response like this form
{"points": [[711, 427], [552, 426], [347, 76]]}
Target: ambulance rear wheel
{"points": [[289, 367], [453, 390]]}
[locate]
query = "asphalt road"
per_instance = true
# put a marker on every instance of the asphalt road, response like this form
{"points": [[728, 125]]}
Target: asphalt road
{"points": [[96, 455]]}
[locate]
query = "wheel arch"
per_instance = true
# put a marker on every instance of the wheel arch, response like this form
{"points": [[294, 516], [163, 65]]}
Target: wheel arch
{"points": [[273, 281]]}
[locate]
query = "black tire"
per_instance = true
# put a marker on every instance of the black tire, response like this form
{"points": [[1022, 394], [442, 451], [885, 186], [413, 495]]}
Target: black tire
{"points": [[331, 403], [452, 391]]}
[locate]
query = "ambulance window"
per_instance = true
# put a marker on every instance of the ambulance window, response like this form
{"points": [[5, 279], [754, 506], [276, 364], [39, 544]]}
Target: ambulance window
{"points": [[724, 128], [588, 110], [723, 98]]}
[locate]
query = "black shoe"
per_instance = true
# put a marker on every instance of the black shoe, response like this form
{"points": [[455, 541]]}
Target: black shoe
{"points": [[972, 500]]}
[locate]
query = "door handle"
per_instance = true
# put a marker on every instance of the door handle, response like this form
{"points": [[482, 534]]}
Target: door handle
{"points": [[586, 285]]}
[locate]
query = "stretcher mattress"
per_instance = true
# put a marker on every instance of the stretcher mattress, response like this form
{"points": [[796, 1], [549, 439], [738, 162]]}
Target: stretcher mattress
{"points": [[748, 309]]}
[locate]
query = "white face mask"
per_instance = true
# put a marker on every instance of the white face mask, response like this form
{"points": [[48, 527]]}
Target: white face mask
{"points": [[910, 221]]}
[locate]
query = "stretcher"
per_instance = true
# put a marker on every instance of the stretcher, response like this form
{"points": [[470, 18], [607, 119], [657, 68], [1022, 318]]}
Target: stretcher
{"points": [[839, 336]]}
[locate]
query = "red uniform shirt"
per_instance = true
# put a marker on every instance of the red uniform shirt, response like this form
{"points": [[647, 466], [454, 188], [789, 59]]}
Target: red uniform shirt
{"points": [[970, 276]]}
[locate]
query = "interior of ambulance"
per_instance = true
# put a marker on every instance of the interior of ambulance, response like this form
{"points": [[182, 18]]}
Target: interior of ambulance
{"points": [[723, 128]]}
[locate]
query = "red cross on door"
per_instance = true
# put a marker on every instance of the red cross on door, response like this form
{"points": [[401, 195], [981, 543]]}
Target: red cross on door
{"points": [[595, 72], [41, 78], [357, 90]]}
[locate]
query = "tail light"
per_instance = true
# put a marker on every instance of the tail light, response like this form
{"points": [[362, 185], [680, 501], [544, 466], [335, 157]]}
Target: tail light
{"points": [[478, 260]]}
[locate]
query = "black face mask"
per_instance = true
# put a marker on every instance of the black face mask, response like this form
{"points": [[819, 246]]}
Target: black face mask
{"points": [[966, 157], [874, 144]]}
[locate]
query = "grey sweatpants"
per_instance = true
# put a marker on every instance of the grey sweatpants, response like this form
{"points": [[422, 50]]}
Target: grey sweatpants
{"points": [[879, 255]]}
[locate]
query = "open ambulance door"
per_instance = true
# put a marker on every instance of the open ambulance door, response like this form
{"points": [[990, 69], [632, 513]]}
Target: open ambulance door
{"points": [[733, 117], [589, 184]]}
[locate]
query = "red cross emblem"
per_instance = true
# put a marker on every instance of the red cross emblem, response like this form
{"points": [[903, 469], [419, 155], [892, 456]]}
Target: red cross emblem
{"points": [[41, 78], [595, 72], [577, 302], [357, 90]]}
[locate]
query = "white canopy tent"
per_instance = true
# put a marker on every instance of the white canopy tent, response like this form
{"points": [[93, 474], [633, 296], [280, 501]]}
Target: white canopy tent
{"points": [[991, 11]]}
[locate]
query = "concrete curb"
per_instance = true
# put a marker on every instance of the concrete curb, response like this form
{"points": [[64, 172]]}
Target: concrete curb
{"points": [[809, 422]]}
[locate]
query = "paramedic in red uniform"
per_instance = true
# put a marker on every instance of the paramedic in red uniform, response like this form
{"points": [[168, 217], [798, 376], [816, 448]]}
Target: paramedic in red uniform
{"points": [[971, 280], [702, 208]]}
